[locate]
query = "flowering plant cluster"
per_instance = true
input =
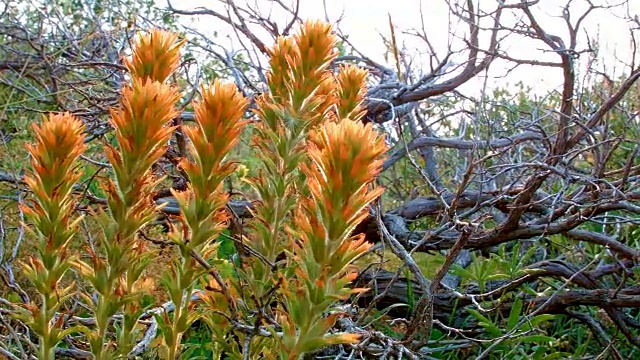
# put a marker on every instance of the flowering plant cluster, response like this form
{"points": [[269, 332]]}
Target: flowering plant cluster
{"points": [[318, 162]]}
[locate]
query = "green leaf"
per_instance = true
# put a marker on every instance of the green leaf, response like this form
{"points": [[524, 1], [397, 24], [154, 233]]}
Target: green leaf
{"points": [[537, 339], [485, 322], [514, 314], [536, 320]]}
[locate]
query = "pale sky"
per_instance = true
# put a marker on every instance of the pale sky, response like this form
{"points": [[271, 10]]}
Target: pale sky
{"points": [[363, 20]]}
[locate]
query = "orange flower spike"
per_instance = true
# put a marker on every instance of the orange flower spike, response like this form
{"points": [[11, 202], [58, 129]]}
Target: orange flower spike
{"points": [[283, 57], [141, 123], [335, 150], [351, 91], [59, 142], [316, 42], [344, 169], [365, 148], [327, 92], [219, 126], [316, 45], [218, 115], [156, 55]]}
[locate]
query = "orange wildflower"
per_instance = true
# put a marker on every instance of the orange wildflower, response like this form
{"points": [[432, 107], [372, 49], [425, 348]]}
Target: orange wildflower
{"points": [[59, 143], [218, 116], [156, 55], [316, 43], [351, 92], [299, 78], [141, 126], [283, 57], [346, 156]]}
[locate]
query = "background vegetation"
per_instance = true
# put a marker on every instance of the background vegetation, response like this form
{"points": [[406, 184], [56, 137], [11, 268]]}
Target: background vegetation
{"points": [[510, 222]]}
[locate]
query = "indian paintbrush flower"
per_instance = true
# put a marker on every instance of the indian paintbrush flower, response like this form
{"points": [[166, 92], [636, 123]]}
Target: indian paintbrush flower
{"points": [[59, 143], [351, 91], [156, 55], [319, 164], [219, 125], [218, 131], [344, 161], [142, 124]]}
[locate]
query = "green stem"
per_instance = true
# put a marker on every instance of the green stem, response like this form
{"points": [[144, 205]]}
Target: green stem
{"points": [[175, 341], [46, 346]]}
